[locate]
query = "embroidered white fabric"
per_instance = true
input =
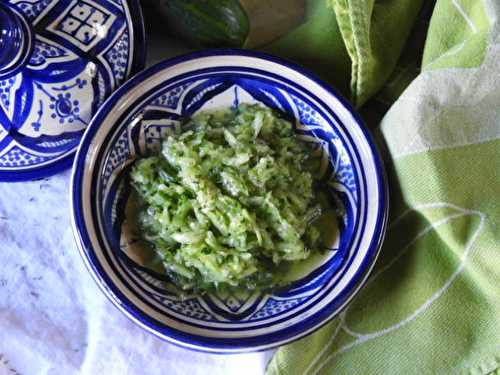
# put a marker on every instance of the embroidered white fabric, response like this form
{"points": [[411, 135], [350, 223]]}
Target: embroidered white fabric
{"points": [[53, 317]]}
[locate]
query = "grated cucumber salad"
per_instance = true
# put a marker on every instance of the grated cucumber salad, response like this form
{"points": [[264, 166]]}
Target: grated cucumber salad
{"points": [[229, 201]]}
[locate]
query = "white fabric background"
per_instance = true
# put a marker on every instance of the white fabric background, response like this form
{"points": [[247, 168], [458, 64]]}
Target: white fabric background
{"points": [[53, 317]]}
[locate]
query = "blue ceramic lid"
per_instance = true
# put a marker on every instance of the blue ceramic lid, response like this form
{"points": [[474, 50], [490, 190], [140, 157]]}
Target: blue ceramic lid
{"points": [[59, 61]]}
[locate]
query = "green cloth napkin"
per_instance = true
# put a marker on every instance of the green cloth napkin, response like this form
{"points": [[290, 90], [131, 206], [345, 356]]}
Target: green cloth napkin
{"points": [[353, 44], [432, 304]]}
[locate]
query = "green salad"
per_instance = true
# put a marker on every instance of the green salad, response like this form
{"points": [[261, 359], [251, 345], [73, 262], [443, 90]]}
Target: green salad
{"points": [[229, 201]]}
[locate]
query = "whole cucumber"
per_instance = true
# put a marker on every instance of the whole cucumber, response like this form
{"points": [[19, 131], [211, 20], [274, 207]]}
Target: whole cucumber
{"points": [[209, 23]]}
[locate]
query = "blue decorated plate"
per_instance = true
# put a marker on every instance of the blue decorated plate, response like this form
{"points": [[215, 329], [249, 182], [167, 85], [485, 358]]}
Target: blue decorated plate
{"points": [[132, 123], [59, 61]]}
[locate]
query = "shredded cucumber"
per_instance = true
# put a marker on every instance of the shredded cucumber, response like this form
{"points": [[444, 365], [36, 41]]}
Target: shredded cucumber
{"points": [[228, 200]]}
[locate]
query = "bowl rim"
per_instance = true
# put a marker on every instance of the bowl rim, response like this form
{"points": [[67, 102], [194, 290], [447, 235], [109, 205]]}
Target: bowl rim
{"points": [[166, 333]]}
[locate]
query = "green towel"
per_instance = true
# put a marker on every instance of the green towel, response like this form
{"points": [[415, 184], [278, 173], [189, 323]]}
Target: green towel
{"points": [[352, 44], [432, 304]]}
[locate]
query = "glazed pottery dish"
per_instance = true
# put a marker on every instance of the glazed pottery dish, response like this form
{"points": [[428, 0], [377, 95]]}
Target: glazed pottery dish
{"points": [[132, 123], [59, 61]]}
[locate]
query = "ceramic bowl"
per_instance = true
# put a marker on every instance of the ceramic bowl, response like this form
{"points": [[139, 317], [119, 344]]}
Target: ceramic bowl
{"points": [[132, 123]]}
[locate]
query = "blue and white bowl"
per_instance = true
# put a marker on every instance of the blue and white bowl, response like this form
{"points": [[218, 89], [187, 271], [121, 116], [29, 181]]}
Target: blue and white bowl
{"points": [[132, 123]]}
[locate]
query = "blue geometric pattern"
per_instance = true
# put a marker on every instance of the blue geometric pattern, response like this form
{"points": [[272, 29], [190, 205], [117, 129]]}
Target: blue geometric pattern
{"points": [[86, 23], [5, 89], [32, 9], [170, 99], [307, 114], [44, 51], [188, 307], [273, 307], [118, 57], [155, 133], [81, 52], [119, 155], [20, 158], [80, 20]]}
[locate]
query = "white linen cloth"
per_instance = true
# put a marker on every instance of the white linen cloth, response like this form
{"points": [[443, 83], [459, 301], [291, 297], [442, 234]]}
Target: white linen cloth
{"points": [[53, 317]]}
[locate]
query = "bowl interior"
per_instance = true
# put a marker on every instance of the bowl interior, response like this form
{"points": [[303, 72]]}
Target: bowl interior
{"points": [[165, 112], [226, 320]]}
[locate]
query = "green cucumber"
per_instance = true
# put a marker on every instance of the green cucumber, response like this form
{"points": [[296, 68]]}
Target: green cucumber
{"points": [[207, 23]]}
